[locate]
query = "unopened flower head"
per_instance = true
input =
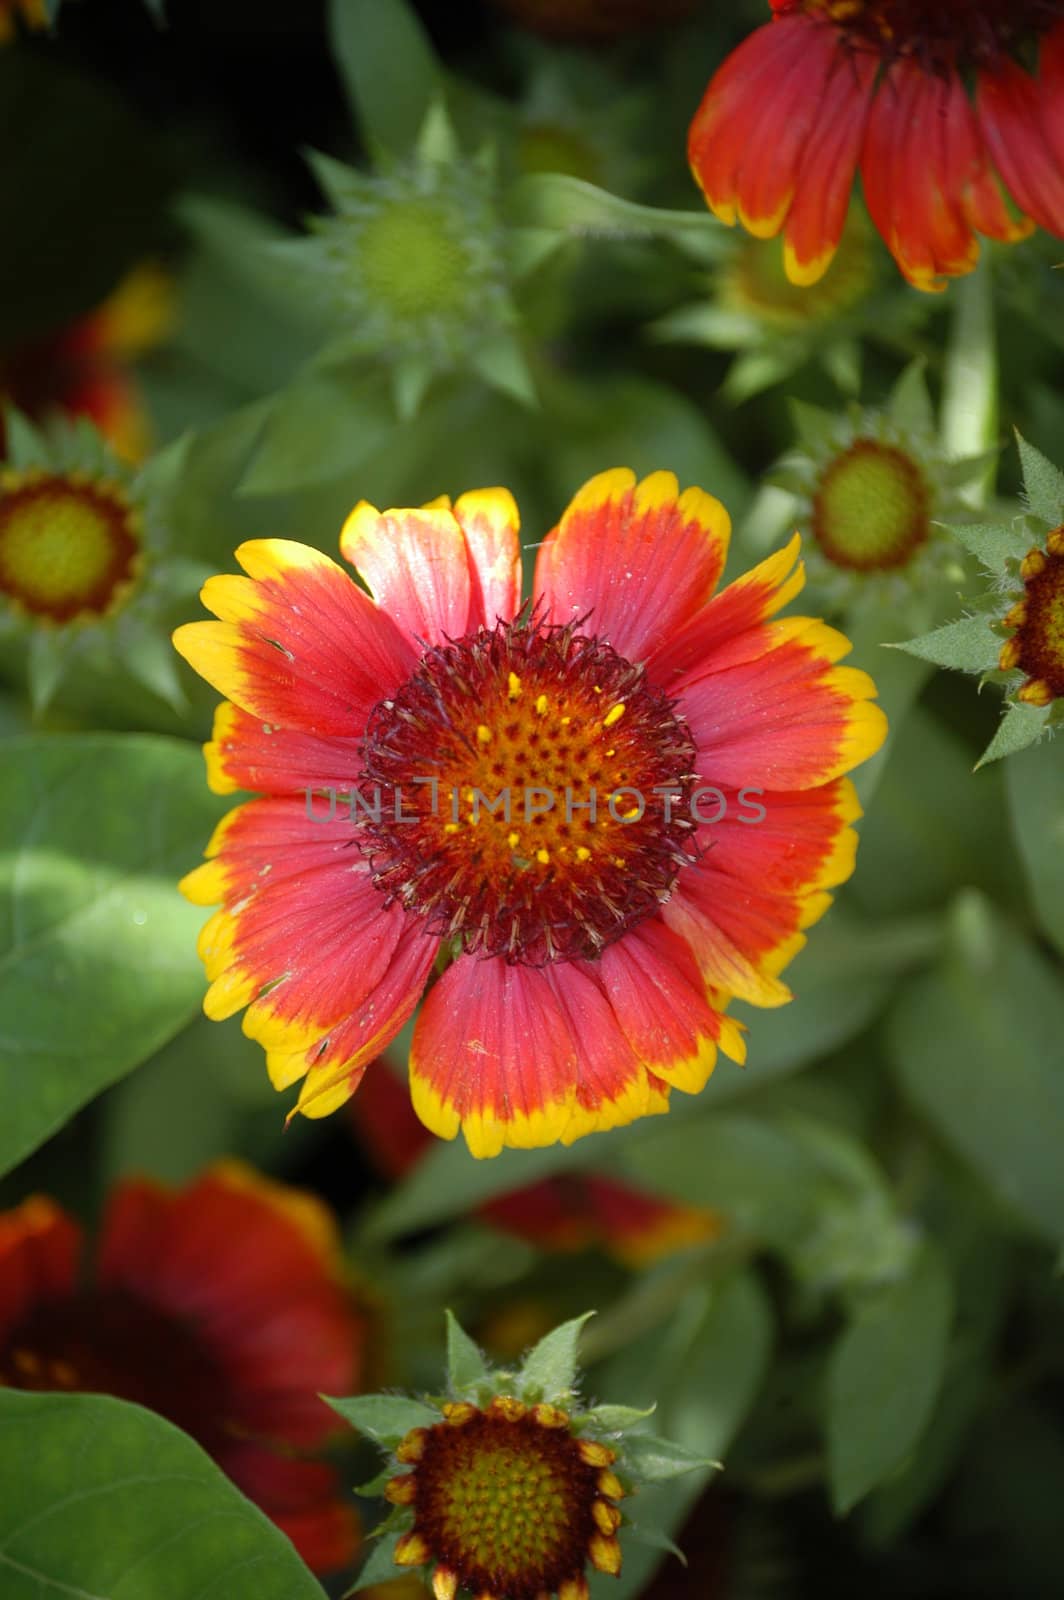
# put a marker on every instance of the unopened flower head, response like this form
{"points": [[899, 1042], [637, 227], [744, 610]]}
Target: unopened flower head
{"points": [[84, 569], [1014, 631], [873, 489], [506, 1488]]}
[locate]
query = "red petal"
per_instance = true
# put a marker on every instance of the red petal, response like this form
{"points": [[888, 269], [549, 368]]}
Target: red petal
{"points": [[828, 164], [640, 558], [299, 645], [417, 566], [40, 1247], [489, 520], [246, 753], [1010, 108]]}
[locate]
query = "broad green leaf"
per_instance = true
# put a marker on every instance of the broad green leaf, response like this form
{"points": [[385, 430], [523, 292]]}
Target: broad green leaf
{"points": [[883, 1378], [384, 1417], [1043, 482], [550, 1366], [1034, 781], [98, 964], [1020, 727], [994, 543], [976, 1044], [387, 67], [968, 645], [101, 1500], [318, 429], [465, 1364]]}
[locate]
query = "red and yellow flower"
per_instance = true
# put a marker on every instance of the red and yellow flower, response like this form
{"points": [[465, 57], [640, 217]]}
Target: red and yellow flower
{"points": [[84, 369], [587, 959], [30, 13], [830, 86], [222, 1307]]}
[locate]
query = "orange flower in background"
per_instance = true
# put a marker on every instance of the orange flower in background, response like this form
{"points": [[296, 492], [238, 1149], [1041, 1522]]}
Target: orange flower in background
{"points": [[832, 85], [84, 368], [605, 814], [221, 1307], [30, 13], [577, 1211]]}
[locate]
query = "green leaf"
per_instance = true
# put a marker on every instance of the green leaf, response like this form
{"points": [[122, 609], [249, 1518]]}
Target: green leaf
{"points": [[994, 543], [909, 406], [380, 1565], [618, 1419], [1043, 483], [100, 1500], [967, 645], [975, 1043], [465, 1364], [883, 1379], [500, 361], [388, 69], [98, 964], [577, 209], [320, 428], [1034, 782], [657, 1460], [1020, 727], [549, 1369], [383, 1417]]}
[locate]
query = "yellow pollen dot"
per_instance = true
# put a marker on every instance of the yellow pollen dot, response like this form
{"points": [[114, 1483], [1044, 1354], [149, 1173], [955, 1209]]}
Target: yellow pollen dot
{"points": [[612, 751], [513, 840], [618, 861], [541, 705], [613, 716], [513, 686], [452, 827], [543, 857], [484, 733], [565, 721], [583, 853]]}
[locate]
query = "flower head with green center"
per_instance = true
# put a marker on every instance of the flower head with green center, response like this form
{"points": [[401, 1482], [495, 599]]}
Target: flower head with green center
{"points": [[1014, 633], [777, 326], [84, 572], [505, 1488], [873, 487], [412, 268]]}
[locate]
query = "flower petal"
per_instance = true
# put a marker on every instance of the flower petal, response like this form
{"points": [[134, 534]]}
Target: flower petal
{"points": [[743, 606], [742, 906], [786, 718], [748, 136], [817, 213], [640, 558], [492, 1055], [659, 999], [490, 521], [1010, 104], [246, 753], [298, 644], [40, 1247], [417, 566]]}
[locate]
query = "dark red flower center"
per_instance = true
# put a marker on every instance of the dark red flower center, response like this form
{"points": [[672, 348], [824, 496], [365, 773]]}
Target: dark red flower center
{"points": [[1040, 638], [108, 1341], [942, 33], [533, 793]]}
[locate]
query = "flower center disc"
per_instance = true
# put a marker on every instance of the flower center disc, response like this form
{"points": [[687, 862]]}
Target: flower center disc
{"points": [[410, 261], [871, 508], [938, 34], [1041, 638], [520, 777], [67, 548], [507, 1505]]}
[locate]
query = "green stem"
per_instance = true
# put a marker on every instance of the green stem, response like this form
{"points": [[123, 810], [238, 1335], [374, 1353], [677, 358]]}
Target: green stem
{"points": [[970, 379]]}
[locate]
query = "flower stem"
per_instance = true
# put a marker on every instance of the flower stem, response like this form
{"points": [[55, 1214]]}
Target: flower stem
{"points": [[970, 379]]}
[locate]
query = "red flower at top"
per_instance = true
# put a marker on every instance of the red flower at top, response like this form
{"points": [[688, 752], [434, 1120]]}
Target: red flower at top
{"points": [[221, 1307], [830, 85]]}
